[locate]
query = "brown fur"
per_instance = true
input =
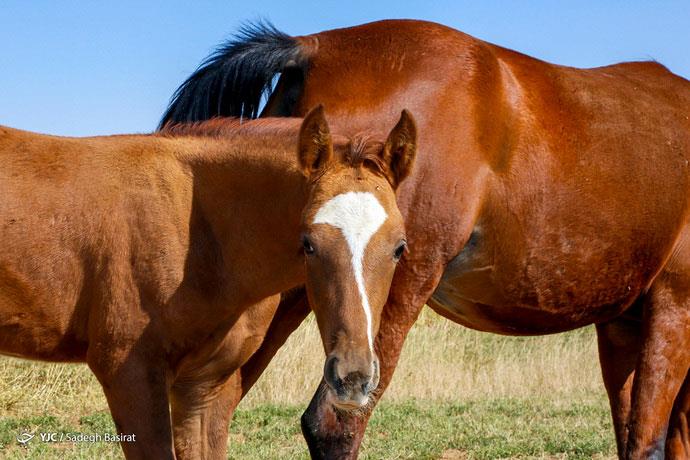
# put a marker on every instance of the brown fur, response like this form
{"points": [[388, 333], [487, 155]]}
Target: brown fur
{"points": [[544, 198], [158, 260]]}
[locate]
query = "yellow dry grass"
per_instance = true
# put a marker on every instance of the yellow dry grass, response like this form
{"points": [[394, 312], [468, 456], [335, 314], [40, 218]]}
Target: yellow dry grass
{"points": [[441, 361]]}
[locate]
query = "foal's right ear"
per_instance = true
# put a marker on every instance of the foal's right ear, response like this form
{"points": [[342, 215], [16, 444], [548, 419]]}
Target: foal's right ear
{"points": [[315, 144]]}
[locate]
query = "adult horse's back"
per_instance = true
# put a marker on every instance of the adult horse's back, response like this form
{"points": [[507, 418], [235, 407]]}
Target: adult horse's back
{"points": [[553, 197]]}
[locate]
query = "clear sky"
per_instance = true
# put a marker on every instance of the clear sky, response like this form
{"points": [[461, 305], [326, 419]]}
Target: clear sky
{"points": [[82, 68]]}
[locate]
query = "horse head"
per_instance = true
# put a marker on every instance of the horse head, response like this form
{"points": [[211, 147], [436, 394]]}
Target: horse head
{"points": [[353, 236]]}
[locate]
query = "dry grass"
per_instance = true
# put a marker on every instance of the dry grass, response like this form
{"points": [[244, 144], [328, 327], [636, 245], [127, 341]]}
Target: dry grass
{"points": [[29, 388], [441, 361], [457, 393]]}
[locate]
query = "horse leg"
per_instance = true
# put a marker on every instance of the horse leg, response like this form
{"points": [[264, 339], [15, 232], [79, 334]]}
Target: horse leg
{"points": [[209, 385], [200, 424], [662, 366], [619, 347], [292, 310], [201, 414], [678, 439], [136, 387], [332, 434]]}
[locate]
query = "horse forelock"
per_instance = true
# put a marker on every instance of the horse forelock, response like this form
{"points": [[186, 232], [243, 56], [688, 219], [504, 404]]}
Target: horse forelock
{"points": [[363, 151]]}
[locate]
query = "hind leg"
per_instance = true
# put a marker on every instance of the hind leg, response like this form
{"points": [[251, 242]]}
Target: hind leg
{"points": [[678, 439], [619, 347], [662, 365]]}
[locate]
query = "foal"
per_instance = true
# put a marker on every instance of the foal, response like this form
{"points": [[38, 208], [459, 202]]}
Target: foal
{"points": [[144, 255]]}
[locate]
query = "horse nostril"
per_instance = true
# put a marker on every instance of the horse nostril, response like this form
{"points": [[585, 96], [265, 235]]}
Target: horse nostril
{"points": [[353, 389], [365, 388], [330, 374]]}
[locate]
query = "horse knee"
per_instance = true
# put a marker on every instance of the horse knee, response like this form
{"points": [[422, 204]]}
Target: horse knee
{"points": [[200, 415]]}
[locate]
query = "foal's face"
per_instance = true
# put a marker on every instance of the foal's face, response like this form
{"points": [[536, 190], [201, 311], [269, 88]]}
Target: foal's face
{"points": [[353, 237]]}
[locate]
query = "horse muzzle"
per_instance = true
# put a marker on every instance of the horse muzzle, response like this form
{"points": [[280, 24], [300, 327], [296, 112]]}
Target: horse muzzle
{"points": [[353, 390]]}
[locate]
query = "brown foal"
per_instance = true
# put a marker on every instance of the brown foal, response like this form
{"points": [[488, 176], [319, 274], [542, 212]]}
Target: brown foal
{"points": [[544, 198], [158, 260]]}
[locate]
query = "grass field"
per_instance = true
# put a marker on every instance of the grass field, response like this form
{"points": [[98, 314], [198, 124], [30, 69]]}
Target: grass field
{"points": [[457, 394]]}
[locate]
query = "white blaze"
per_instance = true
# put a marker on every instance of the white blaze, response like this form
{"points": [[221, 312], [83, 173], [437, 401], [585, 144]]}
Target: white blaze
{"points": [[358, 215]]}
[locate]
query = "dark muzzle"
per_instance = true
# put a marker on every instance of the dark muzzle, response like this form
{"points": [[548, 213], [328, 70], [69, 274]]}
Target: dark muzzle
{"points": [[352, 391]]}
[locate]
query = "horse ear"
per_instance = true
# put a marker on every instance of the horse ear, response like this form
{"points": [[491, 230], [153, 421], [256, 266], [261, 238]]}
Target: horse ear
{"points": [[315, 144], [400, 148]]}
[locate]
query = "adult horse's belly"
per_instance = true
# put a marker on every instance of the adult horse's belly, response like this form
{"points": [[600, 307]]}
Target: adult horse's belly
{"points": [[513, 295]]}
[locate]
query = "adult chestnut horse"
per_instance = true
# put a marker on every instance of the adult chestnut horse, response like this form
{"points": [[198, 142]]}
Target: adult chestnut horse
{"points": [[156, 258], [545, 198]]}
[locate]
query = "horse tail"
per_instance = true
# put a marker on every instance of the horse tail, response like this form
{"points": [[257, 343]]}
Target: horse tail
{"points": [[234, 78]]}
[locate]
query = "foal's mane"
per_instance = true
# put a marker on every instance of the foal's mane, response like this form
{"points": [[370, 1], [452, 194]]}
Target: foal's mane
{"points": [[231, 126], [360, 150]]}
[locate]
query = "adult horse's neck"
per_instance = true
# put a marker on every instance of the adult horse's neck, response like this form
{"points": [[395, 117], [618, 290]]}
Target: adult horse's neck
{"points": [[248, 195]]}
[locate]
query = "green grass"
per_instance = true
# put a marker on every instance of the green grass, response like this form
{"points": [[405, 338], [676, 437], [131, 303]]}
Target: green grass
{"points": [[456, 394], [503, 428], [483, 429]]}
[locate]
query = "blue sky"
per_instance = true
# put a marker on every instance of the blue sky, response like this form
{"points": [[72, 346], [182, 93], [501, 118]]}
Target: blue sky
{"points": [[84, 68]]}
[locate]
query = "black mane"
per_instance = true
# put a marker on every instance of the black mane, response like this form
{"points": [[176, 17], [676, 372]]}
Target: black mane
{"points": [[233, 79]]}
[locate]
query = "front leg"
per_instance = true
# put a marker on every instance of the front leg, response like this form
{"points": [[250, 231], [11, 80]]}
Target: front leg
{"points": [[208, 384], [201, 413], [332, 434], [293, 308], [135, 383]]}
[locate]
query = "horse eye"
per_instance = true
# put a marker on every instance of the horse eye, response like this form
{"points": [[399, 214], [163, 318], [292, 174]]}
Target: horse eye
{"points": [[399, 250], [307, 246]]}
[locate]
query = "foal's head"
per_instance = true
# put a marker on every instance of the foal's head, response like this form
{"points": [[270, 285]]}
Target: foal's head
{"points": [[353, 237]]}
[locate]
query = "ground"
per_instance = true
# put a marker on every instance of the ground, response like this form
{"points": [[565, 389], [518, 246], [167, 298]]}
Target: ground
{"points": [[457, 394]]}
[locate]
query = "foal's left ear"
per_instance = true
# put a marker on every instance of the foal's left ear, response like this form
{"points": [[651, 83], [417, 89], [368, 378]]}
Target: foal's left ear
{"points": [[401, 148], [315, 144]]}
